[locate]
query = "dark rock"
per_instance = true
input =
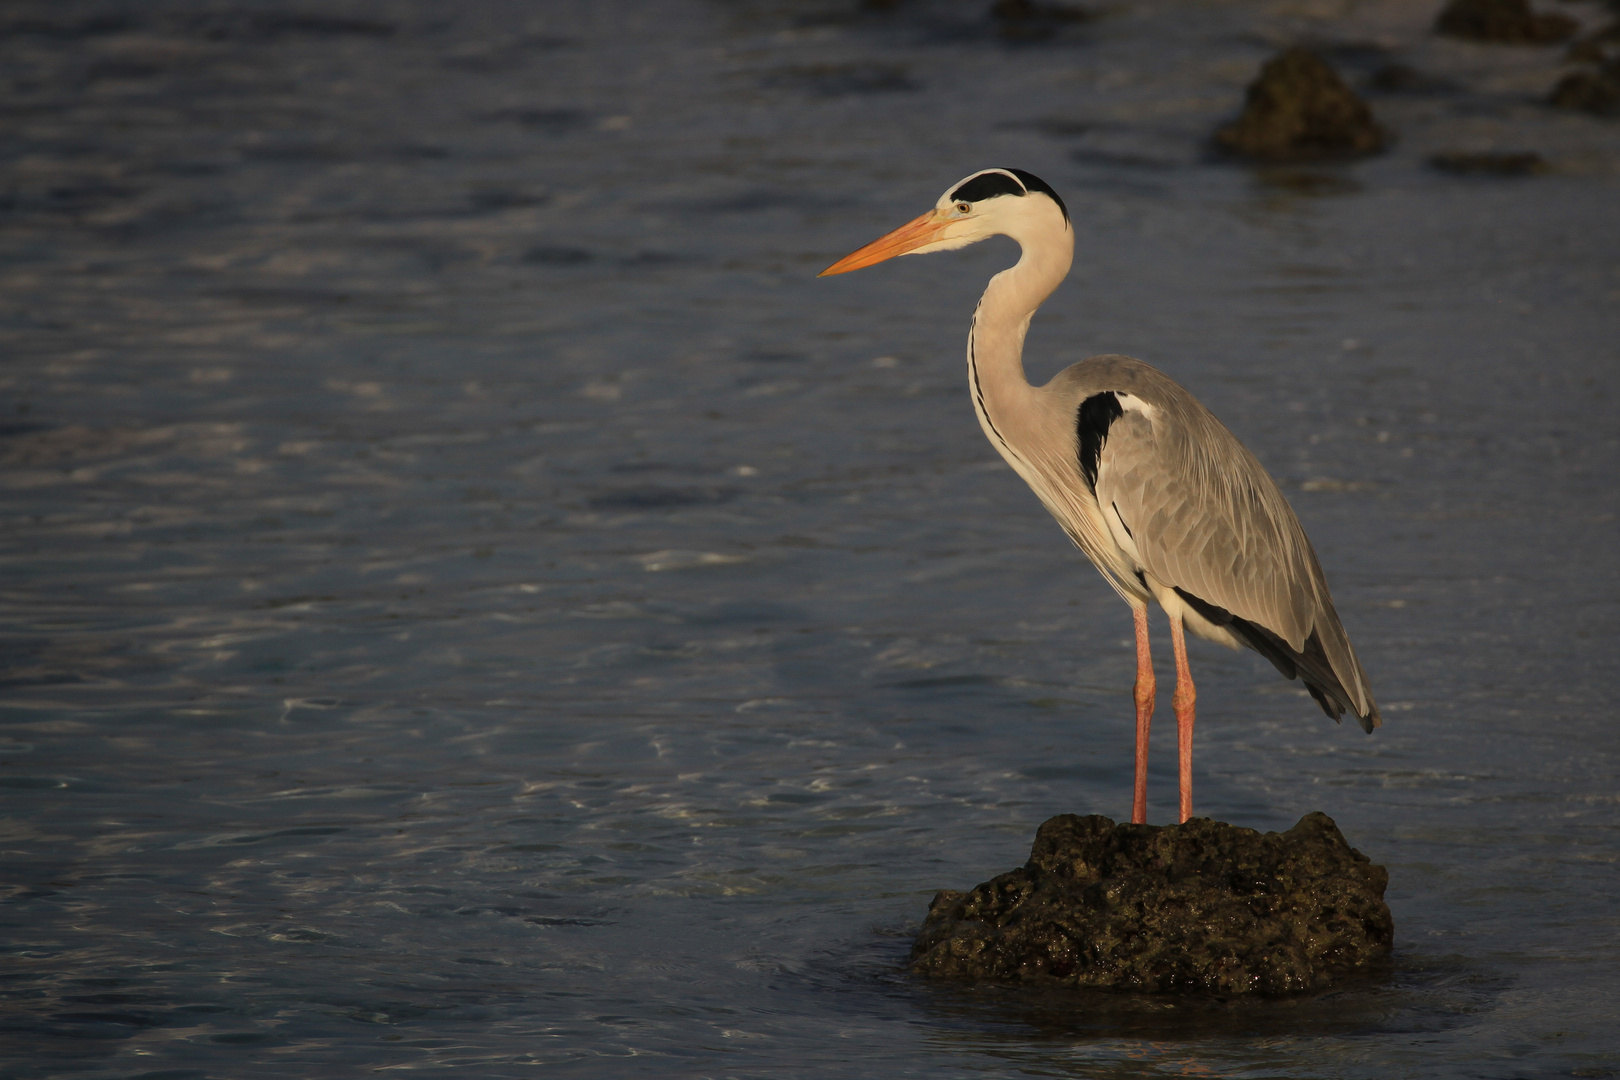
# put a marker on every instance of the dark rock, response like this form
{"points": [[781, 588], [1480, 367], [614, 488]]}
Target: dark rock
{"points": [[837, 80], [1523, 163], [1311, 183], [1394, 78], [70, 30], [1599, 47], [547, 255], [1586, 50], [1300, 109], [1505, 22], [1029, 20], [1596, 90], [274, 25], [1201, 907], [1590, 91]]}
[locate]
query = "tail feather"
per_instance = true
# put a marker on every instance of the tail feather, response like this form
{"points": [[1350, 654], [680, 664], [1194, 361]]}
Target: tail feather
{"points": [[1310, 664]]}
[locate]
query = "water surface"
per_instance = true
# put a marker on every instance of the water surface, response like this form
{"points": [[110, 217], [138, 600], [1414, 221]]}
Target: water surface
{"points": [[475, 604]]}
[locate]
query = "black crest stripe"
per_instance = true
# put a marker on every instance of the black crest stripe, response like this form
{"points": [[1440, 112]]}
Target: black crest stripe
{"points": [[1034, 183], [978, 391], [1097, 413], [987, 185]]}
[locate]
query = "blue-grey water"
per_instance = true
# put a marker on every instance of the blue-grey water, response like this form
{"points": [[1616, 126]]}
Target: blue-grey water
{"points": [[475, 605]]}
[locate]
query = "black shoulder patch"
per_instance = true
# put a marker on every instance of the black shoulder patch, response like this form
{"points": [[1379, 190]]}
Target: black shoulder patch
{"points": [[1097, 413], [1035, 183], [987, 185]]}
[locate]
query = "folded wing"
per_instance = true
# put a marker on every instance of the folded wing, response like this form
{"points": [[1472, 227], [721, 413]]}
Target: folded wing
{"points": [[1206, 519]]}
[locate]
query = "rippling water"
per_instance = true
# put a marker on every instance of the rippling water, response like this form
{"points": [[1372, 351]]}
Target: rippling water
{"points": [[475, 602]]}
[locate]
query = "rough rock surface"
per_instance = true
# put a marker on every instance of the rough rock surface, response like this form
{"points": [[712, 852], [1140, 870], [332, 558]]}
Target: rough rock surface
{"points": [[1506, 22], [1601, 46], [1522, 163], [1300, 109], [1201, 907], [1590, 91]]}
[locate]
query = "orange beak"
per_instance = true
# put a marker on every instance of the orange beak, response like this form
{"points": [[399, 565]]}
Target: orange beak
{"points": [[908, 237]]}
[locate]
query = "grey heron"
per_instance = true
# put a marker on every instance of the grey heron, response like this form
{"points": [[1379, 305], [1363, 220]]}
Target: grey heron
{"points": [[1161, 497]]}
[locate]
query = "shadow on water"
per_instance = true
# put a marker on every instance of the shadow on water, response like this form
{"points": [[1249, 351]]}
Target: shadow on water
{"points": [[1418, 994], [1437, 994]]}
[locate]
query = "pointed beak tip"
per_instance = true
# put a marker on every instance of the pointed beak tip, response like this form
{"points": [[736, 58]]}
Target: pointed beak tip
{"points": [[902, 241]]}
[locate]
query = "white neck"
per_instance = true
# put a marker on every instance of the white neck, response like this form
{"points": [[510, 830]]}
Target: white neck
{"points": [[1002, 395]]}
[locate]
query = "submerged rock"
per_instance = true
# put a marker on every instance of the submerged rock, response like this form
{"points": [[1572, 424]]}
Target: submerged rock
{"points": [[1590, 91], [1299, 109], [1394, 78], [1521, 163], [1029, 20], [1505, 22], [1600, 47], [1197, 907]]}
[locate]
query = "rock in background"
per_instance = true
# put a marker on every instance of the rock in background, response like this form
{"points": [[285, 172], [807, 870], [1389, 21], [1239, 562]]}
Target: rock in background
{"points": [[1506, 22], [1596, 89], [1590, 91], [1199, 907], [1299, 109]]}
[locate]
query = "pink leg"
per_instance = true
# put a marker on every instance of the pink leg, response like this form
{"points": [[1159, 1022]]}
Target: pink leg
{"points": [[1183, 701], [1146, 687]]}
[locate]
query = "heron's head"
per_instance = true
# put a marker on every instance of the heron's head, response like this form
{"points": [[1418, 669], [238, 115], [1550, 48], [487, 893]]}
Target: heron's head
{"points": [[992, 202]]}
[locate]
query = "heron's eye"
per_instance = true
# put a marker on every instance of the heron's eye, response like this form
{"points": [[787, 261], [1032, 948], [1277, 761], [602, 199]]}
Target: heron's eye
{"points": [[963, 208]]}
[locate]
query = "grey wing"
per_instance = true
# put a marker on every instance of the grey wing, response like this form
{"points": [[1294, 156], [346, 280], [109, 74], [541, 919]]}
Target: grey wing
{"points": [[1207, 520]]}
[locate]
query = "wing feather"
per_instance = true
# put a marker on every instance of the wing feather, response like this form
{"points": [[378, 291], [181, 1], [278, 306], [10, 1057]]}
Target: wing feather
{"points": [[1207, 519]]}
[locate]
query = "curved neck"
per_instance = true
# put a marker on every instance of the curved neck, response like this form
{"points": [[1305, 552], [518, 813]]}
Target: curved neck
{"points": [[1001, 392]]}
